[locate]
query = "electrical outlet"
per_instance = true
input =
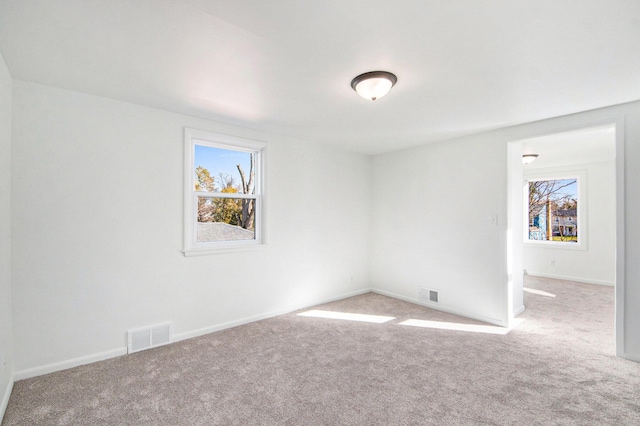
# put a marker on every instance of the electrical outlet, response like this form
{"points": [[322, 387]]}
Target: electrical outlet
{"points": [[552, 262]]}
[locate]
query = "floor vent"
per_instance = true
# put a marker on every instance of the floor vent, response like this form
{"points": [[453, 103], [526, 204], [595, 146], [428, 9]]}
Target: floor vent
{"points": [[152, 336], [428, 295]]}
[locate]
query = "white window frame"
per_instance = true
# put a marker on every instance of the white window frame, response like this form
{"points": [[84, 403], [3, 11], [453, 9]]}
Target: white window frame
{"points": [[581, 220], [193, 137]]}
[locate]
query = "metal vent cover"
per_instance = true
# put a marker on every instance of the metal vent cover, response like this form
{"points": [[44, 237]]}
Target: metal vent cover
{"points": [[428, 295], [152, 336]]}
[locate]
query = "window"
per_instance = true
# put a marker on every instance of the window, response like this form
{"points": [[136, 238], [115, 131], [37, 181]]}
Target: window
{"points": [[223, 205], [554, 215]]}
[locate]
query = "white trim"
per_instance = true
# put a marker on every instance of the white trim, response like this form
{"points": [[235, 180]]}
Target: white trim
{"points": [[581, 176], [560, 245], [631, 357], [588, 122], [231, 142], [101, 356], [518, 311], [439, 307], [63, 365], [75, 362], [620, 241], [6, 396], [570, 278], [194, 137], [224, 250], [233, 195], [512, 245], [225, 246], [270, 314]]}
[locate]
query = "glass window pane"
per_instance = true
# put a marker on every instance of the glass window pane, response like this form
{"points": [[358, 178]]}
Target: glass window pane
{"points": [[225, 219], [553, 210], [223, 170]]}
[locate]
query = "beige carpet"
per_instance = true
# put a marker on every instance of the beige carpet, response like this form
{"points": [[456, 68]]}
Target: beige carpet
{"points": [[557, 367]]}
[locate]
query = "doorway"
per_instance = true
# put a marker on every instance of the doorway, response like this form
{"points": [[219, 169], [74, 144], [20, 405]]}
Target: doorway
{"points": [[593, 156]]}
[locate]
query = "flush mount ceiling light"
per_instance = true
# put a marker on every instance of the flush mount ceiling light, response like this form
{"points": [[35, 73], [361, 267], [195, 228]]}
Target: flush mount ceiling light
{"points": [[373, 85], [529, 158]]}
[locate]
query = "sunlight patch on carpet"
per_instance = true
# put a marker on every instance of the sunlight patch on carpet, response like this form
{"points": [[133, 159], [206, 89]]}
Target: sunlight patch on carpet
{"points": [[539, 292], [378, 319], [475, 328]]}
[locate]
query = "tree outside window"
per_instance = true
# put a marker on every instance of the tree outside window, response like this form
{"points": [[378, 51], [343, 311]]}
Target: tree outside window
{"points": [[222, 203], [222, 216], [553, 210]]}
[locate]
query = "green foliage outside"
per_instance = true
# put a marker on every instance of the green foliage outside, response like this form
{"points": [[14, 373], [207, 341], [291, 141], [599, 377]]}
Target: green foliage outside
{"points": [[233, 211], [567, 238]]}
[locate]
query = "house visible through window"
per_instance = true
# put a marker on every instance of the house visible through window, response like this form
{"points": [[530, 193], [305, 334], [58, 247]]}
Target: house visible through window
{"points": [[553, 210], [223, 190]]}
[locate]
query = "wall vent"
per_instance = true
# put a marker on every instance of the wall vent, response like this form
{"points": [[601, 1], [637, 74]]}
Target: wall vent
{"points": [[152, 336], [428, 295]]}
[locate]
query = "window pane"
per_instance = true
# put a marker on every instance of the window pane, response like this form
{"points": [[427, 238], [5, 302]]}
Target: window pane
{"points": [[225, 219], [222, 170], [553, 210], [223, 186]]}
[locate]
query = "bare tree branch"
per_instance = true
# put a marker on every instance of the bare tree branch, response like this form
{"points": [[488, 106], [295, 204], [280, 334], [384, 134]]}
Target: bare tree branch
{"points": [[248, 206], [543, 191]]}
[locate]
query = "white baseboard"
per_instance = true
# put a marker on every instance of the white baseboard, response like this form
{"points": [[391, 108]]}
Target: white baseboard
{"points": [[5, 397], [441, 308], [518, 311], [631, 357], [271, 314], [63, 365], [568, 278]]}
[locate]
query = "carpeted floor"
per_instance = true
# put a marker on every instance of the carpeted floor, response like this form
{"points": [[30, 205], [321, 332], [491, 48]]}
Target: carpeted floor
{"points": [[556, 368]]}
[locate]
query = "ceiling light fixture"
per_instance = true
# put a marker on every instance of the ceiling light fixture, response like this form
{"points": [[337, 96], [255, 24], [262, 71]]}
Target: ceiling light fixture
{"points": [[529, 158], [373, 85]]}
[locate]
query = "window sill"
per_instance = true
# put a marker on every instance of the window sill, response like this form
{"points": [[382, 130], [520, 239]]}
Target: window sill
{"points": [[225, 249], [555, 245]]}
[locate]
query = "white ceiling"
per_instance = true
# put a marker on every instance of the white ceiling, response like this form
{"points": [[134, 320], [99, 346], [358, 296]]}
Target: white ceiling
{"points": [[285, 66], [583, 146]]}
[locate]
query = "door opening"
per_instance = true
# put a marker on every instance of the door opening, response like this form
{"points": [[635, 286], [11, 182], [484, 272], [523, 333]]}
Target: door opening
{"points": [[585, 165]]}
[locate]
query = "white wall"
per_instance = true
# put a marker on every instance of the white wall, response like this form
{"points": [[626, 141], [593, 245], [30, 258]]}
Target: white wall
{"points": [[97, 226], [6, 345], [97, 223], [596, 263], [432, 225], [431, 222]]}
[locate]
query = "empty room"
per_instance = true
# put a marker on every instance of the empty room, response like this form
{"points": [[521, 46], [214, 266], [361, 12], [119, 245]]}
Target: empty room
{"points": [[318, 213]]}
